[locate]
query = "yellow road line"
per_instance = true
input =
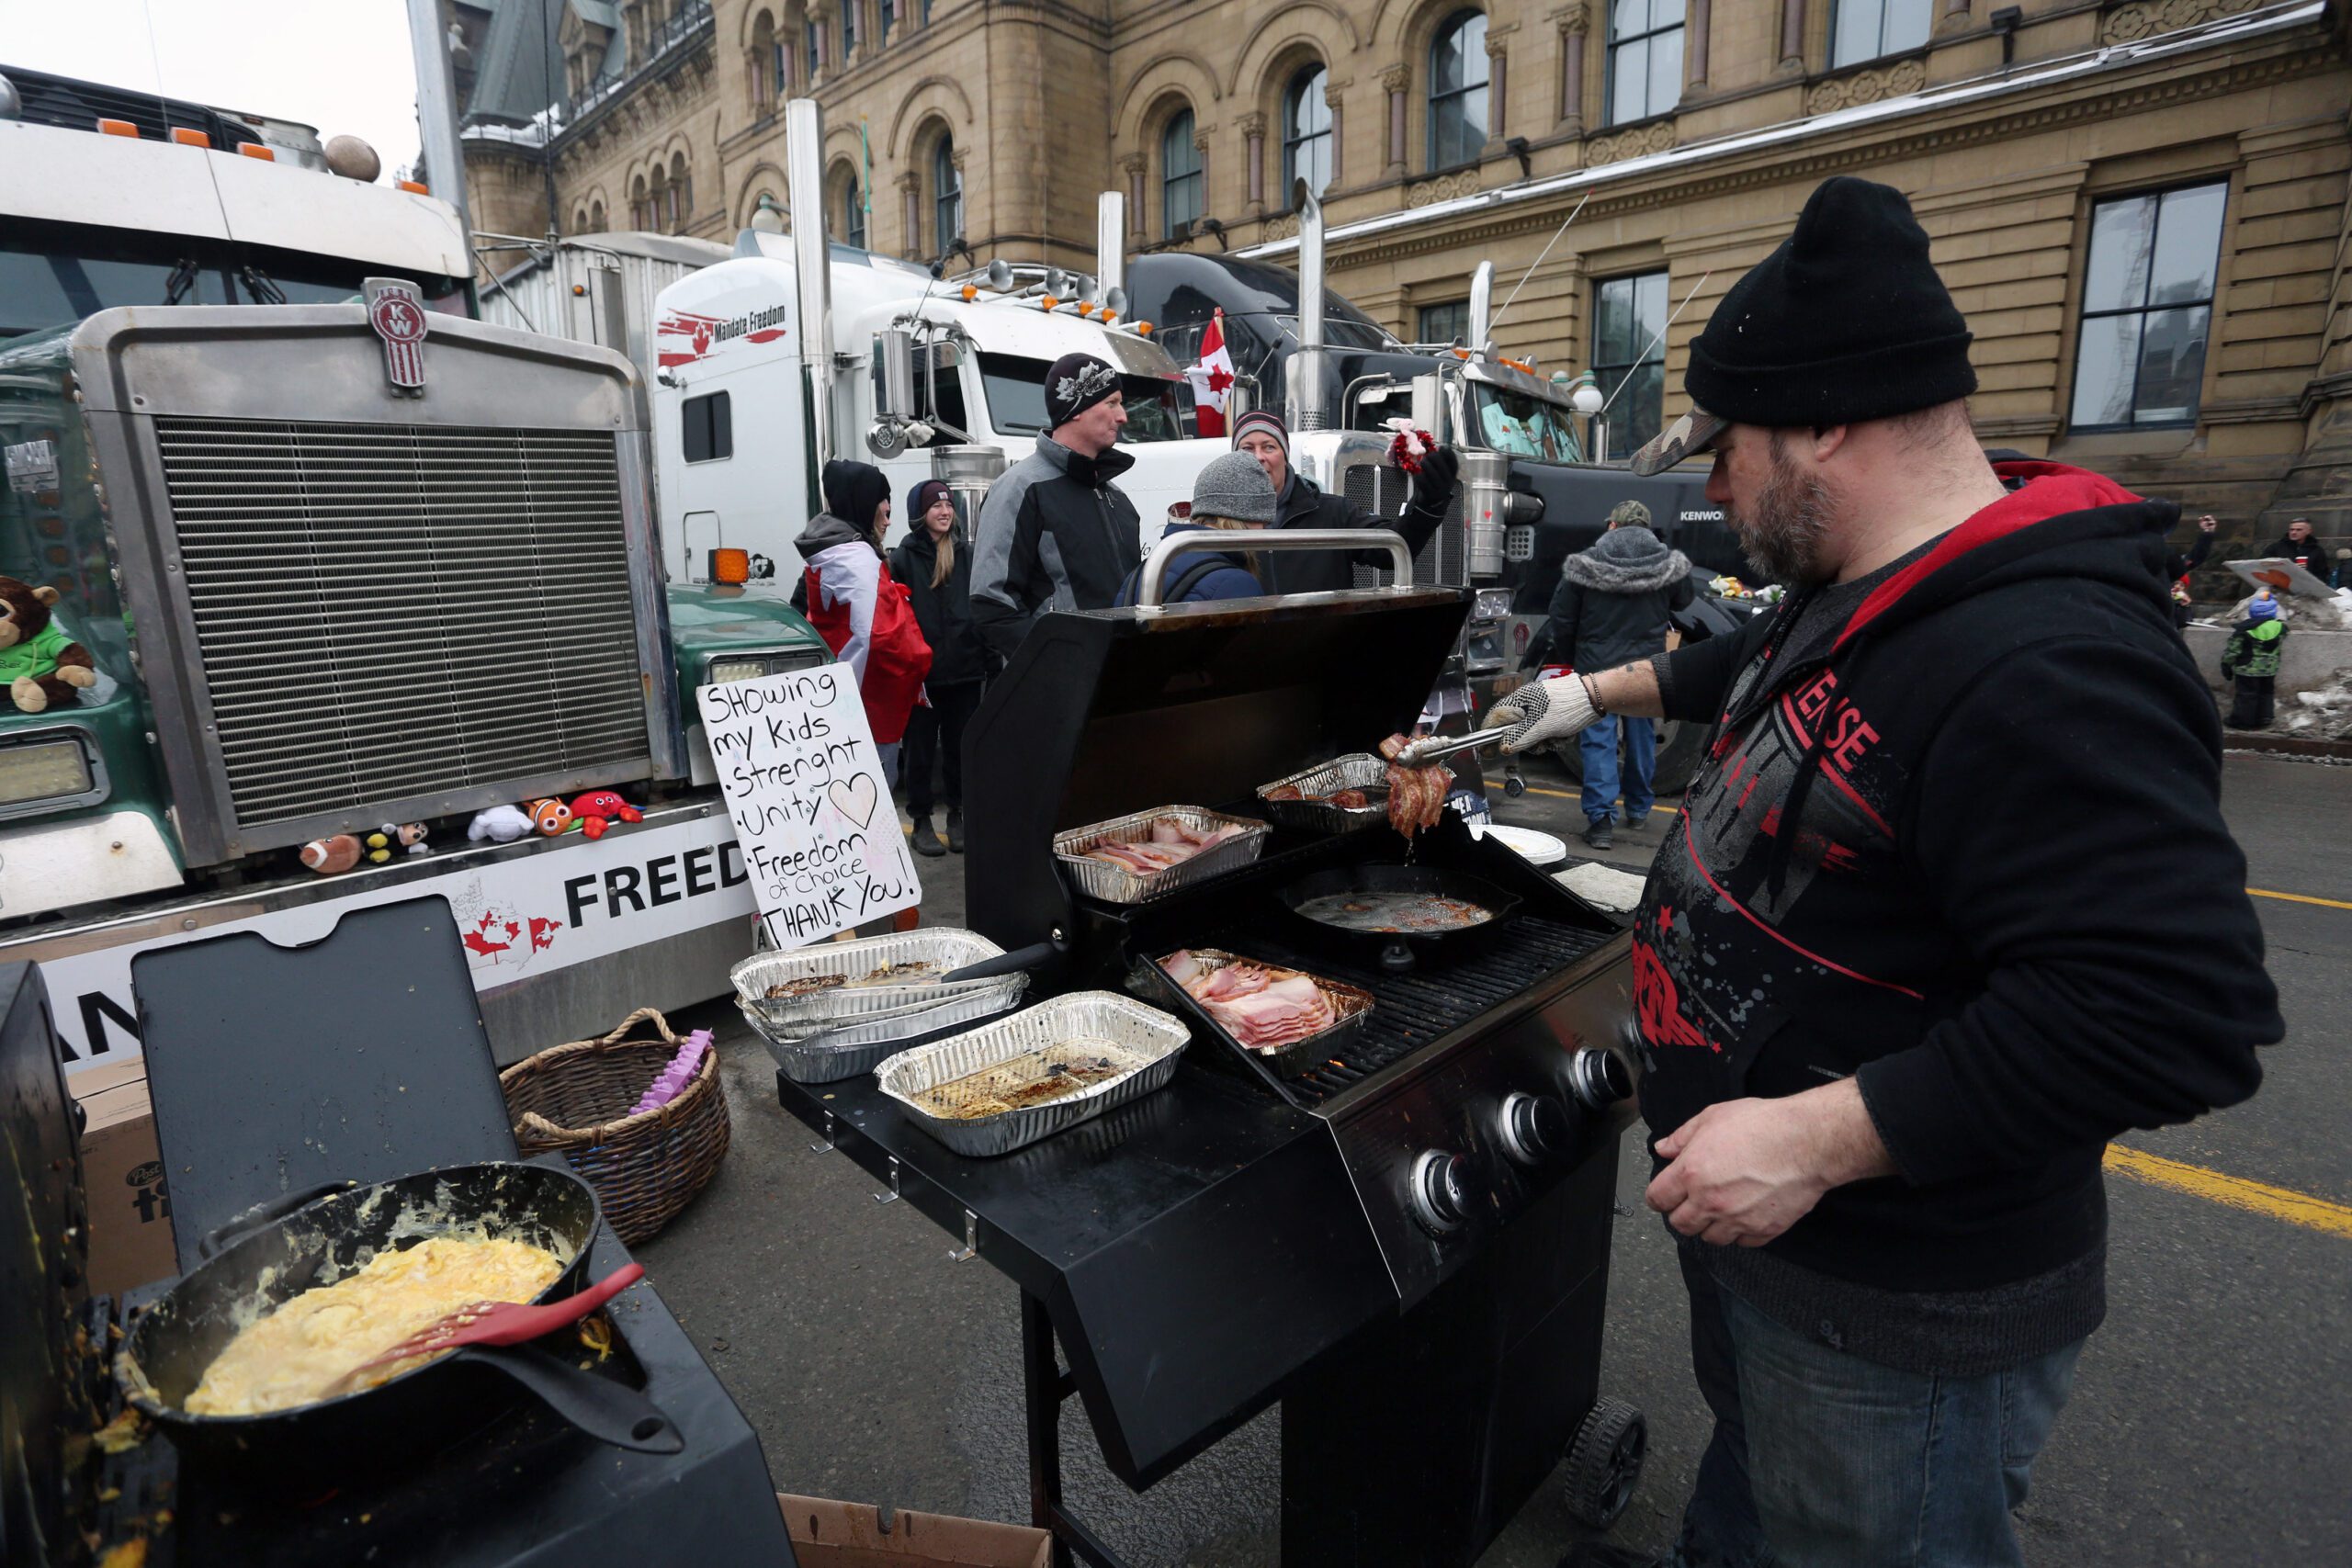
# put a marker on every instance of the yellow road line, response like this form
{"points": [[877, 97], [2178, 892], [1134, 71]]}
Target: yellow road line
{"points": [[2279, 1202], [2301, 898], [1570, 795]]}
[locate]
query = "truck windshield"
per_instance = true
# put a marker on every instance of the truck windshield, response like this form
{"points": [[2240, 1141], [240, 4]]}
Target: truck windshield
{"points": [[1156, 409], [50, 274], [1523, 427]]}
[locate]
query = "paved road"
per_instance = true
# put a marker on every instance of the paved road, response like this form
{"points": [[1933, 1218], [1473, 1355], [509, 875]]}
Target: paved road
{"points": [[2209, 1424]]}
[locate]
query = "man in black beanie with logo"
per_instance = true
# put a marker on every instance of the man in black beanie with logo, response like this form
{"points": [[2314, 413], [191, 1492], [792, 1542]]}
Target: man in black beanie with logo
{"points": [[1054, 533], [1892, 1002]]}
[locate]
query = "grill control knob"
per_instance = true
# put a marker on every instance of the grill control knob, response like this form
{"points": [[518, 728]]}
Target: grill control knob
{"points": [[1535, 1128], [1436, 1192]]}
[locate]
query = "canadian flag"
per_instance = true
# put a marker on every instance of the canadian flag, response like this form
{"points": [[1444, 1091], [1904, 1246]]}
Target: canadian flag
{"points": [[1212, 378]]}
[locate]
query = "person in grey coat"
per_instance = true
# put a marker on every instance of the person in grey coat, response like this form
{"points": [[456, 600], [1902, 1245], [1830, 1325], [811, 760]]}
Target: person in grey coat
{"points": [[1612, 606]]}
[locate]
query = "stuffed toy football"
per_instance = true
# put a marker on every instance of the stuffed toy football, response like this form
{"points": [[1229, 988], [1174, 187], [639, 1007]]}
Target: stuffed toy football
{"points": [[40, 662], [334, 854], [598, 810]]}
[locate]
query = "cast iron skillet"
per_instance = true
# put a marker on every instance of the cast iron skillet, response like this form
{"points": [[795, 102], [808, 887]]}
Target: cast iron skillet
{"points": [[276, 1255], [1400, 950]]}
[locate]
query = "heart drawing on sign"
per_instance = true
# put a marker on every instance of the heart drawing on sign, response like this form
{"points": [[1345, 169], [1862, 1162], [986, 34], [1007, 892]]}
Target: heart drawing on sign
{"points": [[854, 798]]}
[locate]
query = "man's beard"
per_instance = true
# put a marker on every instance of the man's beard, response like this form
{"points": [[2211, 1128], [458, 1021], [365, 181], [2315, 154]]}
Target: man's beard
{"points": [[1792, 516]]}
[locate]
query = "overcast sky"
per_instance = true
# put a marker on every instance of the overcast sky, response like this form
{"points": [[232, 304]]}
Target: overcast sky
{"points": [[340, 65]]}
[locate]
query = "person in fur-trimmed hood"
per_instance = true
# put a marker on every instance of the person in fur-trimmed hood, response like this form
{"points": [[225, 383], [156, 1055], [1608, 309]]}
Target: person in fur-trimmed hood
{"points": [[1893, 996], [1611, 608]]}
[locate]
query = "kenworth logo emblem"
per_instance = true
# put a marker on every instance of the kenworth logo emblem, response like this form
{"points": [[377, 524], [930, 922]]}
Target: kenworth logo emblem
{"points": [[396, 310]]}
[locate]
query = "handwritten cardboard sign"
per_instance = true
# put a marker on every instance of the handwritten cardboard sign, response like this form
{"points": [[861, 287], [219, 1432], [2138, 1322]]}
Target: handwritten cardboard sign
{"points": [[812, 812]]}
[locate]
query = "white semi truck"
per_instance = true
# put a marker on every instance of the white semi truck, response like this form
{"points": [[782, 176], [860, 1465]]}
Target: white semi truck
{"points": [[797, 349]]}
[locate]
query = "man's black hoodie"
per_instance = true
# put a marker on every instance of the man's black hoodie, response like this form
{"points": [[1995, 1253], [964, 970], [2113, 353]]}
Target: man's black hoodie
{"points": [[1971, 854]]}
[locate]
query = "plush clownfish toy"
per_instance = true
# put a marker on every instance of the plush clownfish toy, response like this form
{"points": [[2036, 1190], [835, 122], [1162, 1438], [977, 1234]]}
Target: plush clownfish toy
{"points": [[550, 816], [598, 809]]}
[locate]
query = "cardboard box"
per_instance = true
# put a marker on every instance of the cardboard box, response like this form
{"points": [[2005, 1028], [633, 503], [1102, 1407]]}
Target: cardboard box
{"points": [[850, 1535], [130, 1201]]}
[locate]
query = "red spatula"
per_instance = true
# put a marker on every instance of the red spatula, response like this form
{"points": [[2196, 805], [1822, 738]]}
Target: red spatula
{"points": [[496, 1323]]}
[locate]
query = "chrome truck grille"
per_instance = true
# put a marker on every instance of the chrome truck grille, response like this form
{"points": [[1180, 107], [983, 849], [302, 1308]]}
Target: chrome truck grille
{"points": [[393, 613]]}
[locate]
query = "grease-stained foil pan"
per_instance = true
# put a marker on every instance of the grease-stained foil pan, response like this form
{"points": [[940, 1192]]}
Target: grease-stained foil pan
{"points": [[1118, 885], [832, 1052], [1357, 770], [944, 948], [944, 1085]]}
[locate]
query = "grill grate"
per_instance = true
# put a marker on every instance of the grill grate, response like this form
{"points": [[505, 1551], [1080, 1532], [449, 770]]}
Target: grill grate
{"points": [[1415, 1008], [390, 611]]}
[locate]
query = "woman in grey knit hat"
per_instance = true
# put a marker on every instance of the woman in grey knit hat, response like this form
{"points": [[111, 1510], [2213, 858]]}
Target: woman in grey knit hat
{"points": [[1232, 492]]}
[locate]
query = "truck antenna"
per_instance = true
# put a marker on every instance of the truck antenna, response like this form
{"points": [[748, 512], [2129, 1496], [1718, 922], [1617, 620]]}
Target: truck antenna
{"points": [[1660, 337], [1494, 320]]}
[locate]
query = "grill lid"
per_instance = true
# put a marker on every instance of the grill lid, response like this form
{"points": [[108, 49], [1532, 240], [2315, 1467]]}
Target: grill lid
{"points": [[1103, 713]]}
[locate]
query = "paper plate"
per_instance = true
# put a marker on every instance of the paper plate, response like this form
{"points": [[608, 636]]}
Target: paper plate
{"points": [[1536, 848]]}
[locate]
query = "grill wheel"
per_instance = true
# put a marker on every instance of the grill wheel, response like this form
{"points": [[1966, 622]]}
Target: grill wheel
{"points": [[1604, 1462]]}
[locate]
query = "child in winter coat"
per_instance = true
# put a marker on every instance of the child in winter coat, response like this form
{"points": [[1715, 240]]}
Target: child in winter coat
{"points": [[2251, 660], [863, 615]]}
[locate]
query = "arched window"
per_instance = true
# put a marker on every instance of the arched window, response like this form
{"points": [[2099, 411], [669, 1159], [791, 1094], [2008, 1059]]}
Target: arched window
{"points": [[947, 192], [1458, 90], [1180, 178], [1307, 134], [657, 204], [596, 219], [852, 212], [639, 210], [766, 63], [682, 194], [1644, 59]]}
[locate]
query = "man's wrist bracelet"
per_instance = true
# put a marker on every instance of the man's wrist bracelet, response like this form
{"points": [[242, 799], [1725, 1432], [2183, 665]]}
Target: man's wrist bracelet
{"points": [[1593, 695]]}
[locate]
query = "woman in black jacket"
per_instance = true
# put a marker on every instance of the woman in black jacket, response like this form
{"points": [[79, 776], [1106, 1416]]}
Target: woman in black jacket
{"points": [[939, 578]]}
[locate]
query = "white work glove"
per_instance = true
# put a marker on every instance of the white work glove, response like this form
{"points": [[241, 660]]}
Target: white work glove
{"points": [[1540, 711]]}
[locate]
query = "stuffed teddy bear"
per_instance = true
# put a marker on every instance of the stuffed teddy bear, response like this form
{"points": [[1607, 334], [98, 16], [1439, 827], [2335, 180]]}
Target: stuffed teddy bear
{"points": [[40, 662], [499, 824]]}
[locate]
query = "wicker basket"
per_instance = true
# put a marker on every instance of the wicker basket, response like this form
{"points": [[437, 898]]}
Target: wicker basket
{"points": [[575, 1100]]}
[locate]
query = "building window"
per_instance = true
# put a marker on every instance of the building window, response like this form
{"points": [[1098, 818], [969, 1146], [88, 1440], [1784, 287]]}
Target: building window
{"points": [[1180, 178], [709, 428], [848, 29], [780, 67], [2147, 307], [852, 213], [948, 193], [1629, 346], [813, 39], [1458, 90], [1449, 322], [885, 13], [1307, 134], [1864, 29], [1645, 58]]}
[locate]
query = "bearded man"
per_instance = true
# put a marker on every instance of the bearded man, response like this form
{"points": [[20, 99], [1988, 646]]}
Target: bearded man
{"points": [[1951, 904]]}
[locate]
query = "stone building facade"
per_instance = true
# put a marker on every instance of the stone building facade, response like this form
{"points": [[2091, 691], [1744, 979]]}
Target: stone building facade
{"points": [[2141, 205]]}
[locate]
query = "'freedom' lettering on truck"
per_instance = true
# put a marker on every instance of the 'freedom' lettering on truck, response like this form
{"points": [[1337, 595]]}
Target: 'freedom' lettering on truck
{"points": [[665, 879]]}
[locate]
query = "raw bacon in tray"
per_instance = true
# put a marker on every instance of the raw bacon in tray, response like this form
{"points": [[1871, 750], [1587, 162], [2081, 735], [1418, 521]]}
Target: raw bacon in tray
{"points": [[1168, 843], [1264, 1007]]}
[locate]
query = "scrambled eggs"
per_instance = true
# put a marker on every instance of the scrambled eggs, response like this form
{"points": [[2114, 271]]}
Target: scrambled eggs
{"points": [[293, 1355]]}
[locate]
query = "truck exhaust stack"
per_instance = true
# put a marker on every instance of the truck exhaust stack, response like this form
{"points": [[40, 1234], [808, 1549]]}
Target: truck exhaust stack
{"points": [[1482, 302], [1111, 241], [1303, 380], [804, 157]]}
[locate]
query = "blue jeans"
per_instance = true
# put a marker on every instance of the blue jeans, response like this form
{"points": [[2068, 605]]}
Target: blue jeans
{"points": [[1598, 746], [1824, 1460]]}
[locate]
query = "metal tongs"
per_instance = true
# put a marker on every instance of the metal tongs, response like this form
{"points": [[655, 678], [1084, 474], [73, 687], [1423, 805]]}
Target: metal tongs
{"points": [[1431, 749]]}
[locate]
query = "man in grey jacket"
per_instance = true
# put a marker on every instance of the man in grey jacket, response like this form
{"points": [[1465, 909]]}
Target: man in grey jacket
{"points": [[1054, 533], [1611, 607]]}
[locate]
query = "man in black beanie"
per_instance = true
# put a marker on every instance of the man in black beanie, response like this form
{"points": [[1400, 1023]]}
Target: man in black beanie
{"points": [[1054, 533], [1891, 1011]]}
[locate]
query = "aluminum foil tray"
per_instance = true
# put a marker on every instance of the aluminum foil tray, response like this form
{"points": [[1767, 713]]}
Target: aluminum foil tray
{"points": [[1294, 1060], [845, 1049], [1359, 770], [946, 945], [1116, 885], [1155, 1040]]}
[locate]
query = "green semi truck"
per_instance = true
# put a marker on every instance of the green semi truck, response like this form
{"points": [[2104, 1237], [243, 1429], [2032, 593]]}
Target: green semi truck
{"points": [[341, 558]]}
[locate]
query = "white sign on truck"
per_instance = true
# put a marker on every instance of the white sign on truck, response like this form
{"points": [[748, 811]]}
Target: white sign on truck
{"points": [[811, 803]]}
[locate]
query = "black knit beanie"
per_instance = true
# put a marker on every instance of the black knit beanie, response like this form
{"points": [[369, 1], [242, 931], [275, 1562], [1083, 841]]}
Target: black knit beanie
{"points": [[855, 492], [1076, 383], [1846, 322]]}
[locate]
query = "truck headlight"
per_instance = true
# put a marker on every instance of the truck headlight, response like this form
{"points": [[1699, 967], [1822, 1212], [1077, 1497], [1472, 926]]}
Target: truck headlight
{"points": [[48, 765], [720, 669], [1493, 604]]}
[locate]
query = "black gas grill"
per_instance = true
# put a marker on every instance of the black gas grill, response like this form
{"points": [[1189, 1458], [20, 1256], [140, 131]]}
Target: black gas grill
{"points": [[1409, 1245]]}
